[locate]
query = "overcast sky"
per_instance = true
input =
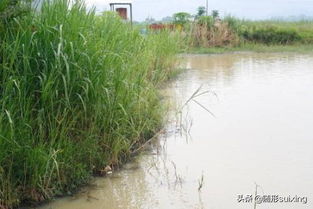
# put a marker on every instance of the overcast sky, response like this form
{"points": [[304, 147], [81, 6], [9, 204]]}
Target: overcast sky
{"points": [[252, 9]]}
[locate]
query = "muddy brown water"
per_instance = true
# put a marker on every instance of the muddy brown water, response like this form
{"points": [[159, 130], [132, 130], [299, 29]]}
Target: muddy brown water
{"points": [[261, 133]]}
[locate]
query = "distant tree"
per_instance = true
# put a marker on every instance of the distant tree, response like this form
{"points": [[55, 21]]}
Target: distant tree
{"points": [[167, 19], [181, 18], [215, 14], [201, 11]]}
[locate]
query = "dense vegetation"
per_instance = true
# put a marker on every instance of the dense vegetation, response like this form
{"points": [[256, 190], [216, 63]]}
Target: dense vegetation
{"points": [[277, 32], [77, 92], [235, 32], [202, 30]]}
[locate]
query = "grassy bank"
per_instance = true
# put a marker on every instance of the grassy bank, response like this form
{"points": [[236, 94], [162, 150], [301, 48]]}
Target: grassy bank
{"points": [[298, 48], [78, 92]]}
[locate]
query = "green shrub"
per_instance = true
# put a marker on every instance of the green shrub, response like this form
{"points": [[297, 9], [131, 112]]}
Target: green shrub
{"points": [[233, 23], [270, 35], [207, 21], [181, 18]]}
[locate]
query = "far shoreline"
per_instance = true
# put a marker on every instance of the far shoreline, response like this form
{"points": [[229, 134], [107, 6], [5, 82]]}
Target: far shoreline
{"points": [[258, 48]]}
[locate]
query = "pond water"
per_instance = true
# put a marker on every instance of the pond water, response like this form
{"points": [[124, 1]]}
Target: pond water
{"points": [[247, 128]]}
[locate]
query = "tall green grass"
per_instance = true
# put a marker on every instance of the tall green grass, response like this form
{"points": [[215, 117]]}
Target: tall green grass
{"points": [[77, 92]]}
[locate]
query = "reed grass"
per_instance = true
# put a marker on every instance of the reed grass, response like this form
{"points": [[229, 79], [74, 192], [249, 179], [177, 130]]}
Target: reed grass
{"points": [[78, 92]]}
